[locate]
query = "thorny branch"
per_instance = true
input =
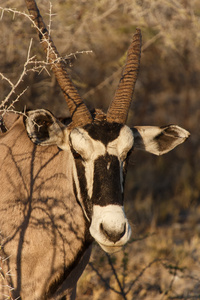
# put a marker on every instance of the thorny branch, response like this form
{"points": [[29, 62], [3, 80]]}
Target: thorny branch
{"points": [[174, 273], [140, 274], [37, 66], [125, 287], [44, 38], [33, 23], [116, 277], [107, 285], [3, 105]]}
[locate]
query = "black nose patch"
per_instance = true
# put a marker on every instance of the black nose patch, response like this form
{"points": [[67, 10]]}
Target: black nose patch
{"points": [[107, 185], [113, 235]]}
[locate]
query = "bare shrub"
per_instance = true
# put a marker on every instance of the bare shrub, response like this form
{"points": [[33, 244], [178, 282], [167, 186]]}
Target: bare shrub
{"points": [[163, 194]]}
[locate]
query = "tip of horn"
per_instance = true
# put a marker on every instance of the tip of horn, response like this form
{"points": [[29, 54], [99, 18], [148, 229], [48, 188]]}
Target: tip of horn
{"points": [[119, 107]]}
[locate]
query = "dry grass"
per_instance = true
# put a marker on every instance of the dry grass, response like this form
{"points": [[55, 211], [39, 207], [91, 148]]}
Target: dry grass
{"points": [[164, 265], [162, 194]]}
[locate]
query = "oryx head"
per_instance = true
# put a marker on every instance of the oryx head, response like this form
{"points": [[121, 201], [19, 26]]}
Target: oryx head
{"points": [[99, 145]]}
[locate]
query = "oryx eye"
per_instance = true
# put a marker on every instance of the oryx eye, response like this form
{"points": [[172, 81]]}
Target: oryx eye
{"points": [[76, 155]]}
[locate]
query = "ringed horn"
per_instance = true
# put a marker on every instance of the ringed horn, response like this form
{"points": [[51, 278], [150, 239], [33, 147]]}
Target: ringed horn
{"points": [[119, 107], [78, 110]]}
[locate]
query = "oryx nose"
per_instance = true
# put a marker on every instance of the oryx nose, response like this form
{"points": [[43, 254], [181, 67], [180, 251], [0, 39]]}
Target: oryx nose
{"points": [[113, 234]]}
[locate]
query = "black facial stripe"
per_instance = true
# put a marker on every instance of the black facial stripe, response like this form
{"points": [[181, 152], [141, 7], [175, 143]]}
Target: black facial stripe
{"points": [[83, 187], [106, 183], [104, 132], [125, 166]]}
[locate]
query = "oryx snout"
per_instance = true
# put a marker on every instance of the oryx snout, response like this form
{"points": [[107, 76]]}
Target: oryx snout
{"points": [[110, 227], [113, 234]]}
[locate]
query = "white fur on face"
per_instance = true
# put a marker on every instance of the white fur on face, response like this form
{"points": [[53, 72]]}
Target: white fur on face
{"points": [[113, 219], [122, 144], [87, 147], [90, 150]]}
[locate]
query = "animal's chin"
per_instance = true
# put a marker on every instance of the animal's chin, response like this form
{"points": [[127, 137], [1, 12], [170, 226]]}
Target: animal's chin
{"points": [[110, 249]]}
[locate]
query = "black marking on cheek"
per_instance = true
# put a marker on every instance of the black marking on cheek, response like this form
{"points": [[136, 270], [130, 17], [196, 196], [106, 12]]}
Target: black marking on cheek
{"points": [[125, 166], [103, 131], [89, 214], [83, 188], [107, 185]]}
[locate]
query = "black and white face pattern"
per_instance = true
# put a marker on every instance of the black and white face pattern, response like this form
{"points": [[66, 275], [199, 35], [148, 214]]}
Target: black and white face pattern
{"points": [[101, 152], [100, 155]]}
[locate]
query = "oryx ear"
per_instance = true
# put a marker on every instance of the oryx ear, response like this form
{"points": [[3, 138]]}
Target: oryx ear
{"points": [[158, 140], [44, 129]]}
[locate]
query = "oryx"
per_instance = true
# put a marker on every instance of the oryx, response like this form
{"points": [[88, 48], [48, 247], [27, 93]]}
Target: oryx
{"points": [[57, 198]]}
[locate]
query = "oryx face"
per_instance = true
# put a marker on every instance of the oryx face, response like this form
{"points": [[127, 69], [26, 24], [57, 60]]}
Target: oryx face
{"points": [[100, 152], [47, 244], [98, 157], [99, 145]]}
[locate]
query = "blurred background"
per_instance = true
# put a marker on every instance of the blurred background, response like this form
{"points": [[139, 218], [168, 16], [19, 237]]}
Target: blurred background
{"points": [[162, 193]]}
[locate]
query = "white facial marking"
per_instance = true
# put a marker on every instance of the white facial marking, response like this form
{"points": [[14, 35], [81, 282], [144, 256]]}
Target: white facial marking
{"points": [[108, 165], [79, 191], [120, 147], [81, 142], [122, 144], [87, 147], [114, 220], [90, 150], [111, 217], [65, 145]]}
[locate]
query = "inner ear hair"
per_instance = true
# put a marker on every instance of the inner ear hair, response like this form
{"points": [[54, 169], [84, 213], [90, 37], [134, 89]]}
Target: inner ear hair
{"points": [[159, 140], [43, 128]]}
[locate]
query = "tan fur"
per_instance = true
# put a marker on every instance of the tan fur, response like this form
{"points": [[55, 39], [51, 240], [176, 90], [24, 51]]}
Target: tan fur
{"points": [[42, 226]]}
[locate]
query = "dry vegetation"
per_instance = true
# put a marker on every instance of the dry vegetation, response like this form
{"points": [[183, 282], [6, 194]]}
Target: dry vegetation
{"points": [[162, 194]]}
